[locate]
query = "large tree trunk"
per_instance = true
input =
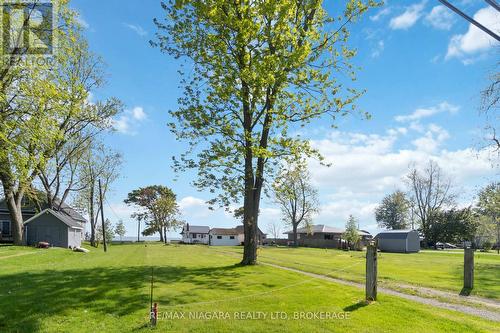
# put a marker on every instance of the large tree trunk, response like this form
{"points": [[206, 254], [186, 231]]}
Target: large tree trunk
{"points": [[250, 213], [16, 217], [250, 229], [161, 235], [295, 242], [13, 199]]}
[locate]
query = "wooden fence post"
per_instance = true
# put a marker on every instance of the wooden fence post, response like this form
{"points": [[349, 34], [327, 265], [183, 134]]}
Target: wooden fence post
{"points": [[371, 272], [469, 269]]}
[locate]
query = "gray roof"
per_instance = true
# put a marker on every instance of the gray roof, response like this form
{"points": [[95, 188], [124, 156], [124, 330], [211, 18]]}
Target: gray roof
{"points": [[318, 229], [196, 229], [66, 219], [29, 207], [72, 213], [324, 229], [241, 230], [394, 234], [224, 231]]}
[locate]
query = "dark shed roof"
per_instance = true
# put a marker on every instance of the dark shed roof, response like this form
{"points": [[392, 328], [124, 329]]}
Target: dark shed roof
{"points": [[394, 234], [66, 219]]}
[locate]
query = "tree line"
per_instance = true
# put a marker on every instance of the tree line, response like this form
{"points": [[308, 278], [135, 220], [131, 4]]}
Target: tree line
{"points": [[429, 205], [50, 128]]}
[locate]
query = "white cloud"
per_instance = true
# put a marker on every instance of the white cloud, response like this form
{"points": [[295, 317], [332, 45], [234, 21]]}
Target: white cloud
{"points": [[409, 17], [475, 41], [377, 51], [428, 112], [432, 139], [137, 29], [381, 13], [367, 167], [129, 121], [192, 208], [138, 113], [440, 18], [122, 125]]}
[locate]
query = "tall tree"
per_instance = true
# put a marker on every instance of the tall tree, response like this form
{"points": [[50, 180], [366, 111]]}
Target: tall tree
{"points": [[393, 212], [98, 163], [259, 67], [41, 104], [351, 234], [158, 209], [430, 191], [489, 206], [296, 197], [490, 98]]}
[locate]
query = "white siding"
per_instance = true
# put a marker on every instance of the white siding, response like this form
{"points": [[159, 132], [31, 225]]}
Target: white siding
{"points": [[189, 238], [224, 240]]}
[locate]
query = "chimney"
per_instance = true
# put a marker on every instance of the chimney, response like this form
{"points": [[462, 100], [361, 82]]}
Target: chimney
{"points": [[187, 227]]}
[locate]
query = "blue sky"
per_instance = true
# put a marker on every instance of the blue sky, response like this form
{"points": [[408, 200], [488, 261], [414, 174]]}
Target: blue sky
{"points": [[423, 68]]}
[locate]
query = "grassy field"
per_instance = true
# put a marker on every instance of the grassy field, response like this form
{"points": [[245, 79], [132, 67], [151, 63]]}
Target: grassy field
{"points": [[429, 269], [57, 290]]}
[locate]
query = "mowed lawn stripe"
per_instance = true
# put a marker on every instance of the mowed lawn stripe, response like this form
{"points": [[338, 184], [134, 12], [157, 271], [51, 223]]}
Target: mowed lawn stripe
{"points": [[434, 270], [110, 292]]}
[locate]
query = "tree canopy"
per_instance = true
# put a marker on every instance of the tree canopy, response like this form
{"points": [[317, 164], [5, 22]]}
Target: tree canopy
{"points": [[259, 69], [392, 213]]}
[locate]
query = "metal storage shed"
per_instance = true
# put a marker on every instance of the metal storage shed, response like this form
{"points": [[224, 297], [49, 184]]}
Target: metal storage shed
{"points": [[402, 241]]}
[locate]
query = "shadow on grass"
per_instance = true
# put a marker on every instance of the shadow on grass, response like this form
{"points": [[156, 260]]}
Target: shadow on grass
{"points": [[354, 307], [486, 280], [26, 299]]}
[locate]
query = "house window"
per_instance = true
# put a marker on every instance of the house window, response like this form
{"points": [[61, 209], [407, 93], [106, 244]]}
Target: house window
{"points": [[231, 237], [328, 236], [5, 227], [194, 235], [219, 237]]}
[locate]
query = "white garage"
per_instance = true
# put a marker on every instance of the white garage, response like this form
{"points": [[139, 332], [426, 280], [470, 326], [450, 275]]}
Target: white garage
{"points": [[224, 237]]}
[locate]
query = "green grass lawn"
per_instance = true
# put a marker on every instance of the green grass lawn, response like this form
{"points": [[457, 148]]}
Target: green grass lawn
{"points": [[57, 290], [430, 269]]}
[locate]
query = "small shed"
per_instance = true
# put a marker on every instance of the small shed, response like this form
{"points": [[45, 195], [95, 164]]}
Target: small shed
{"points": [[400, 241], [54, 227]]}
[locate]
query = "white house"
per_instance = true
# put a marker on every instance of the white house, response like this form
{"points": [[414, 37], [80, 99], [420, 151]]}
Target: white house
{"points": [[224, 237], [232, 236], [195, 234]]}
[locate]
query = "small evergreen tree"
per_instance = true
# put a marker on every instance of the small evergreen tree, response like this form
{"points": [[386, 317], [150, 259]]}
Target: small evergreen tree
{"points": [[120, 229], [351, 234]]}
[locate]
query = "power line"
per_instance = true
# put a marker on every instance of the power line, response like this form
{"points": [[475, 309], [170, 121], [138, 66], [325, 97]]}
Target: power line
{"points": [[493, 4], [111, 208], [470, 19]]}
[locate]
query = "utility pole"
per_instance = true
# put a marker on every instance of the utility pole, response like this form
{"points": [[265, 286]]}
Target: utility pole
{"points": [[102, 218]]}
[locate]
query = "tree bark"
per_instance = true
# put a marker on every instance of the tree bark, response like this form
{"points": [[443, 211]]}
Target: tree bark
{"points": [[161, 235], [16, 216], [295, 242]]}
